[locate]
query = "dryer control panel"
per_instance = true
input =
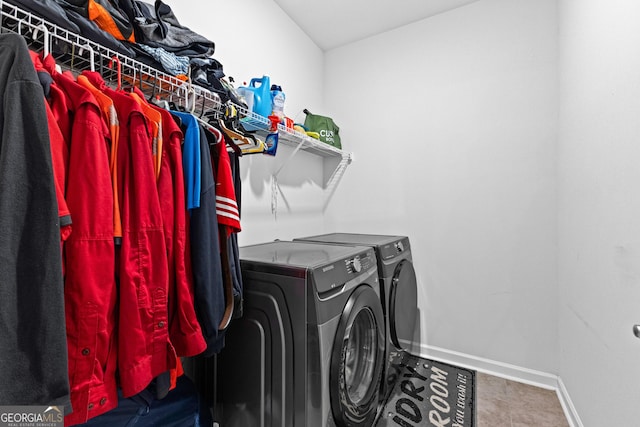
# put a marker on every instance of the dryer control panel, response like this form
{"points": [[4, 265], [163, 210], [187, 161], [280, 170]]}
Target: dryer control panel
{"points": [[394, 249]]}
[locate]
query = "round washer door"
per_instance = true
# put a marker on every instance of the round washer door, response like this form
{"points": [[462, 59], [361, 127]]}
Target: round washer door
{"points": [[403, 308], [357, 359]]}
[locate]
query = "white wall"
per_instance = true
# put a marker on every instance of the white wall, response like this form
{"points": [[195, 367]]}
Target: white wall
{"points": [[599, 238], [508, 153], [453, 120], [254, 38]]}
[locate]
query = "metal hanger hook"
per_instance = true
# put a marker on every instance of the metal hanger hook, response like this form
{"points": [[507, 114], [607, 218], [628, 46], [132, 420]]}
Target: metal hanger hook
{"points": [[92, 57], [118, 70], [46, 41]]}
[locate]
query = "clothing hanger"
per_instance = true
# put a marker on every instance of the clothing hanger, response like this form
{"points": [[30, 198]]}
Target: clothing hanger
{"points": [[130, 81], [202, 107], [101, 63], [247, 141], [232, 119], [73, 56], [118, 70], [45, 31], [187, 102], [19, 29], [172, 104], [131, 84], [192, 104], [152, 97], [248, 144], [140, 81], [230, 143], [162, 103], [92, 63], [232, 133], [46, 42], [211, 129], [208, 126], [219, 135]]}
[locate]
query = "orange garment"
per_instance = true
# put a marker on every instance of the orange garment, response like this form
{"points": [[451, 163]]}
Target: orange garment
{"points": [[156, 127], [111, 118], [103, 18]]}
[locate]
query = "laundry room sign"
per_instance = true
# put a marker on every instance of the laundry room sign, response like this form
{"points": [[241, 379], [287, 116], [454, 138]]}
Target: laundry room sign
{"points": [[430, 393]]}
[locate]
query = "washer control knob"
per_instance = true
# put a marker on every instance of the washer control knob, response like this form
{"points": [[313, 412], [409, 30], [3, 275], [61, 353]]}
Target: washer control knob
{"points": [[399, 247], [356, 265]]}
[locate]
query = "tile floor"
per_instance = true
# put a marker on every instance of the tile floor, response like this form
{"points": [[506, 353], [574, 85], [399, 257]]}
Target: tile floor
{"points": [[504, 403]]}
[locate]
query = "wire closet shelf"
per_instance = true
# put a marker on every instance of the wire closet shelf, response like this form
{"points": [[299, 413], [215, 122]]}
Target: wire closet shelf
{"points": [[77, 53]]}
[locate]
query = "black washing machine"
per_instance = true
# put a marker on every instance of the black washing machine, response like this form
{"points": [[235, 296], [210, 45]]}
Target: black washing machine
{"points": [[309, 349], [399, 293]]}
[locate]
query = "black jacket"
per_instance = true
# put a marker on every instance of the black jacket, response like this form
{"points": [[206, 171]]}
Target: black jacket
{"points": [[157, 26], [33, 346]]}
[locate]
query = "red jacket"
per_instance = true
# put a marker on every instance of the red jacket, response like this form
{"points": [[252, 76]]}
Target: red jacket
{"points": [[144, 350], [184, 328], [90, 289]]}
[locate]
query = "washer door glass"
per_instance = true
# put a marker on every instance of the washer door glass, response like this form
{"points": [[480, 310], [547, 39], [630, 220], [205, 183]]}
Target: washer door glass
{"points": [[360, 358], [357, 359]]}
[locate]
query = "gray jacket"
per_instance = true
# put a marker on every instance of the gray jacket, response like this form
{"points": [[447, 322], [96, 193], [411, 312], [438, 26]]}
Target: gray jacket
{"points": [[33, 345]]}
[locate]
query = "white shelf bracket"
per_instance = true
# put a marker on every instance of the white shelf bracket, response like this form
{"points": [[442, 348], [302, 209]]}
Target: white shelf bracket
{"points": [[336, 177], [291, 156]]}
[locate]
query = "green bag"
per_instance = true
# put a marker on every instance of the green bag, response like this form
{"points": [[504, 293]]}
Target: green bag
{"points": [[329, 132]]}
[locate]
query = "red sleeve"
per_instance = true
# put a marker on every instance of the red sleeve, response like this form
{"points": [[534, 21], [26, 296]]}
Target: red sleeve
{"points": [[58, 156], [226, 204]]}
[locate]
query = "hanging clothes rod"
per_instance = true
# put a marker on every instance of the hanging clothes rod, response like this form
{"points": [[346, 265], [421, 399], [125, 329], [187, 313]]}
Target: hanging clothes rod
{"points": [[77, 53]]}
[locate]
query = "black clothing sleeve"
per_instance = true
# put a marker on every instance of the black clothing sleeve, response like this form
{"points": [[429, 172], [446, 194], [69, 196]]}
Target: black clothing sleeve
{"points": [[205, 257]]}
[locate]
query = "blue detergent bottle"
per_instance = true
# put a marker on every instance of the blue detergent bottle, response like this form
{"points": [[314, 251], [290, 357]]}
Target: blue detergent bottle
{"points": [[261, 88]]}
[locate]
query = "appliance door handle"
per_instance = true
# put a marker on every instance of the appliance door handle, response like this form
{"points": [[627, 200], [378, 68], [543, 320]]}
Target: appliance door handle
{"points": [[636, 331]]}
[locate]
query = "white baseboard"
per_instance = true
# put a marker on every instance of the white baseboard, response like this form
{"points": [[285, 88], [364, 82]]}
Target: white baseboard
{"points": [[506, 371], [567, 405]]}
